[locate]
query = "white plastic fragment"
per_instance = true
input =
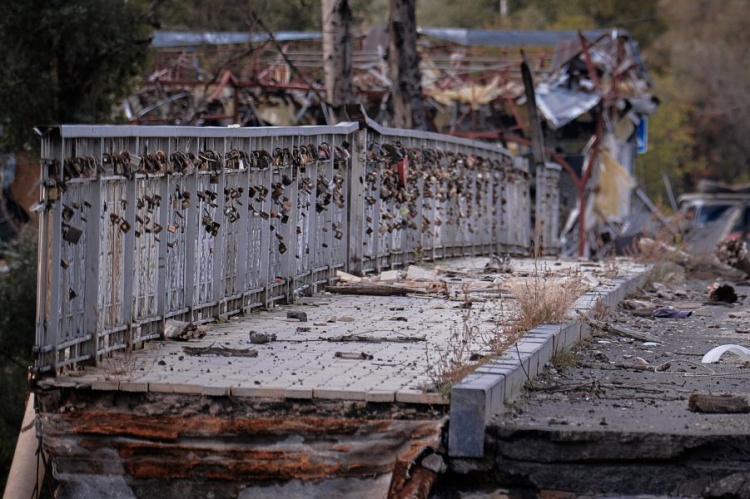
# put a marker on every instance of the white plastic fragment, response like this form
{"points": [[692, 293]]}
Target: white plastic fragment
{"points": [[715, 354]]}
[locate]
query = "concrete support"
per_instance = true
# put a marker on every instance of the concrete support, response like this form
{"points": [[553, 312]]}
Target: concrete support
{"points": [[24, 475]]}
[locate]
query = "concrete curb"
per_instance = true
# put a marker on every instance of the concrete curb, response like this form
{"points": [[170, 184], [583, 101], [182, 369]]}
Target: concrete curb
{"points": [[484, 393]]}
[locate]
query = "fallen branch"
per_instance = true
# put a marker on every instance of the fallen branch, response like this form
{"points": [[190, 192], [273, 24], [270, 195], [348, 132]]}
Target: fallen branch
{"points": [[377, 339], [356, 338], [619, 330]]}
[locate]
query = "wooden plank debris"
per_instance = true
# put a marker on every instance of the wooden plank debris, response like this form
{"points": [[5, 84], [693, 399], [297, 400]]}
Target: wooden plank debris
{"points": [[353, 356], [371, 289], [722, 403], [220, 351]]}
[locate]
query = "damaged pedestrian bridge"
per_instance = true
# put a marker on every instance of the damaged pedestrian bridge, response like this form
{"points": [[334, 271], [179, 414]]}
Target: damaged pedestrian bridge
{"points": [[185, 345]]}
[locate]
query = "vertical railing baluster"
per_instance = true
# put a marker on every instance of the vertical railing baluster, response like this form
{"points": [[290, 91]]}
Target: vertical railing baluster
{"points": [[191, 241]]}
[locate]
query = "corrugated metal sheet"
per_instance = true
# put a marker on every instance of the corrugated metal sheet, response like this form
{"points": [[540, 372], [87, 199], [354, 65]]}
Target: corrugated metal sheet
{"points": [[506, 38], [164, 39]]}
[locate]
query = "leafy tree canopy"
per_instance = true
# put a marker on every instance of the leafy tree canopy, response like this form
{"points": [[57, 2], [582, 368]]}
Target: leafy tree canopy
{"points": [[67, 61]]}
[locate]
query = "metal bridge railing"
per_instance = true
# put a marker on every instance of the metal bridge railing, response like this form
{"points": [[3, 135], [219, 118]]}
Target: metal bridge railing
{"points": [[547, 209], [144, 224]]}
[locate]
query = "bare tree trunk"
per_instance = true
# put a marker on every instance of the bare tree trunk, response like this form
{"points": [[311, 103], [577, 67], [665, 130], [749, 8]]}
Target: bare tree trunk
{"points": [[337, 56], [403, 66]]}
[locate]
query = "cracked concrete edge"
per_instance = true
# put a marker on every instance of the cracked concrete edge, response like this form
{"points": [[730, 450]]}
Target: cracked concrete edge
{"points": [[485, 392]]}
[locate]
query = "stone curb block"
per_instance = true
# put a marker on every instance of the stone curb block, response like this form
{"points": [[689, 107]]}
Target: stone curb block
{"points": [[484, 393]]}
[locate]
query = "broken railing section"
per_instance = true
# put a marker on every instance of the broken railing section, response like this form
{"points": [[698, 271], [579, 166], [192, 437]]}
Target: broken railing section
{"points": [[144, 224]]}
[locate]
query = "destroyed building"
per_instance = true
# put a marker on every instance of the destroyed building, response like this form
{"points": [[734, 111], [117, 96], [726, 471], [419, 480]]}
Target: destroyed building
{"points": [[471, 81]]}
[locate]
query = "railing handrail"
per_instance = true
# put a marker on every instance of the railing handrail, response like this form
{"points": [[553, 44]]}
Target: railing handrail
{"points": [[164, 131], [449, 139]]}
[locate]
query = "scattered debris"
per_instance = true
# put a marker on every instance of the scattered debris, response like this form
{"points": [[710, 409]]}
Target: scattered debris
{"points": [[389, 275], [182, 331], [650, 246], [498, 265], [590, 280], [353, 356], [698, 265], [639, 308], [723, 403], [220, 351], [715, 354], [670, 312], [301, 316], [257, 338], [724, 293], [734, 253], [415, 273], [346, 277], [370, 289]]}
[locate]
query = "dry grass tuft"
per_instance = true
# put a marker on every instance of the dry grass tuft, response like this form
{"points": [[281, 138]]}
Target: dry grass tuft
{"points": [[565, 358], [545, 300], [601, 311], [611, 266], [542, 298]]}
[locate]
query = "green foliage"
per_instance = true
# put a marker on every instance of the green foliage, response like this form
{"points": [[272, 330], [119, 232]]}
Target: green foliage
{"points": [[639, 17], [671, 142], [17, 332], [67, 61], [706, 47], [223, 15], [463, 14]]}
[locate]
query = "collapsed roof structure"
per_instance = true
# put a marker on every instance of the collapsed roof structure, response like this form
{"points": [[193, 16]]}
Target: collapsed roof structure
{"points": [[592, 91]]}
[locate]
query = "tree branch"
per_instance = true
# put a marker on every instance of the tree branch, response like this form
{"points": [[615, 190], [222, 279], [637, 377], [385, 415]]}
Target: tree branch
{"points": [[294, 69]]}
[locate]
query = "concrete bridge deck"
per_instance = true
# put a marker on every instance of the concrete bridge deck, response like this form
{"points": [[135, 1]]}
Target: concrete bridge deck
{"points": [[402, 343]]}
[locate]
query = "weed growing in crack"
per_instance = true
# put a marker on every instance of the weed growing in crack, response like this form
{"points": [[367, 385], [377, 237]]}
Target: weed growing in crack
{"points": [[601, 311], [119, 365], [542, 298], [611, 266], [463, 352], [545, 299], [565, 358]]}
